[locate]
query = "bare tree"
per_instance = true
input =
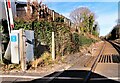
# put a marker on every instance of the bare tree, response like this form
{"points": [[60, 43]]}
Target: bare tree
{"points": [[83, 18], [28, 14], [33, 9]]}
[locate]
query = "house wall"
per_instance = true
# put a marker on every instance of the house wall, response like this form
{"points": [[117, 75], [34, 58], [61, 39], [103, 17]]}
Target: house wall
{"points": [[21, 11], [2, 9]]}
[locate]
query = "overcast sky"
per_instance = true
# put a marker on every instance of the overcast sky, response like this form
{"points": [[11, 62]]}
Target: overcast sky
{"points": [[106, 10]]}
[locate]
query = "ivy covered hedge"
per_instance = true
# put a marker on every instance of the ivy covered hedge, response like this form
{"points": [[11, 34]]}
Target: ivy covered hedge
{"points": [[65, 41]]}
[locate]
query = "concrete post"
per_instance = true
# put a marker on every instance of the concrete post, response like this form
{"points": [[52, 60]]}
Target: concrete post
{"points": [[0, 47], [22, 50], [53, 15], [53, 46]]}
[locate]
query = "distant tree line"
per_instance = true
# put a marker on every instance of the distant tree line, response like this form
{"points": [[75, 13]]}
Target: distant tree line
{"points": [[115, 33]]}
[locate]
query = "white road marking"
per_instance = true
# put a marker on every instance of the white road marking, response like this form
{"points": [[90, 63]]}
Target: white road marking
{"points": [[51, 78], [15, 76], [112, 78], [37, 77]]}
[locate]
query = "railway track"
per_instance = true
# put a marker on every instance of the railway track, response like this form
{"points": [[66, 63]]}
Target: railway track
{"points": [[103, 68], [89, 76], [111, 58], [94, 64], [109, 61]]}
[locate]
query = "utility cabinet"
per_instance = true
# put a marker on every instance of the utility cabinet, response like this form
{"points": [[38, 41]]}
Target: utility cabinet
{"points": [[28, 40], [29, 34], [14, 44]]}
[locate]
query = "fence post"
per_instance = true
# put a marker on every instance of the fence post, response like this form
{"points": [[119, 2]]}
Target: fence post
{"points": [[53, 45], [53, 38], [0, 46], [22, 50], [53, 13]]}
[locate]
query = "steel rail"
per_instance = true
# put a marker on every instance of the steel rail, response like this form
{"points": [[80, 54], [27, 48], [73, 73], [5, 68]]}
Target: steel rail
{"points": [[95, 63], [116, 45]]}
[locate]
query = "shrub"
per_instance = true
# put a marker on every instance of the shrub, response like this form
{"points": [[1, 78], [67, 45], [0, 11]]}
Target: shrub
{"points": [[95, 33], [65, 41], [84, 40]]}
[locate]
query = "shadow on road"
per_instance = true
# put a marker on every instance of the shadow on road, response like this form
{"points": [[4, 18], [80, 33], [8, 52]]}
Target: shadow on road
{"points": [[70, 76]]}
